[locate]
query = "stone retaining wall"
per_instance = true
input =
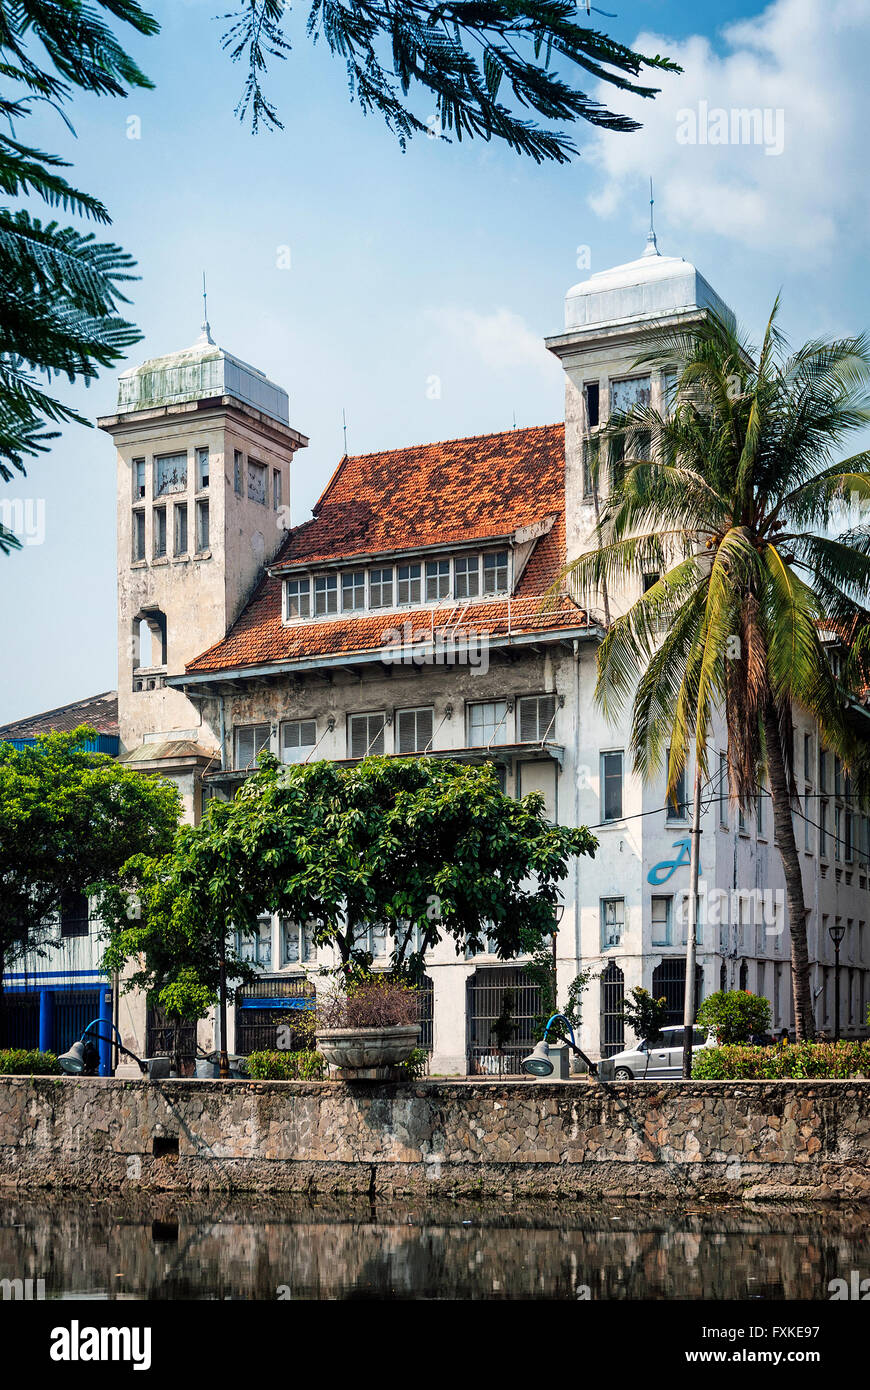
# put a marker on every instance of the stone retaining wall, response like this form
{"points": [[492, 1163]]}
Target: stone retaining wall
{"points": [[787, 1140]]}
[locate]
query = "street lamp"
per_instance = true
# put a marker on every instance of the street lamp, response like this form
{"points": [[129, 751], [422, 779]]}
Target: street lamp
{"points": [[836, 933], [83, 1057], [538, 1061], [558, 914]]}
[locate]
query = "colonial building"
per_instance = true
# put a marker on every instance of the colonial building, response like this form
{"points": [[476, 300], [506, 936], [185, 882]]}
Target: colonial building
{"points": [[420, 612]]}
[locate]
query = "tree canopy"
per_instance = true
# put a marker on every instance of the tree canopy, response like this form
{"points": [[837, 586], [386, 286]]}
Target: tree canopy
{"points": [[461, 58], [60, 288], [425, 847], [69, 819]]}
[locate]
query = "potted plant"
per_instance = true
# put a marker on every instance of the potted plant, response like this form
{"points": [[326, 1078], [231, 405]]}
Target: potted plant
{"points": [[368, 1026]]}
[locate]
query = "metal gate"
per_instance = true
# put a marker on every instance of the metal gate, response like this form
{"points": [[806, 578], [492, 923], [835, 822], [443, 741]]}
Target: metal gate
{"points": [[612, 1020], [669, 980], [73, 1011], [426, 1000], [161, 1039], [490, 993], [19, 1020], [267, 1005]]}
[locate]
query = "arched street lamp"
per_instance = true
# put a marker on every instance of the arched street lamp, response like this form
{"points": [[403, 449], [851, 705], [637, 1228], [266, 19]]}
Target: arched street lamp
{"points": [[538, 1062], [83, 1058]]}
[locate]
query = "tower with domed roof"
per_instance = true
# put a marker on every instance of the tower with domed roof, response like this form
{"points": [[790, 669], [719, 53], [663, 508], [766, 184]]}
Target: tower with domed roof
{"points": [[609, 320], [204, 451]]}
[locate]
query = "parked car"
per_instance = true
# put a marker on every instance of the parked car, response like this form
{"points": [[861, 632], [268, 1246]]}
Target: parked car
{"points": [[661, 1060]]}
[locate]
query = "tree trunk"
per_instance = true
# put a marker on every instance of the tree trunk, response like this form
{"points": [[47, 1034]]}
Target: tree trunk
{"points": [[804, 1021]]}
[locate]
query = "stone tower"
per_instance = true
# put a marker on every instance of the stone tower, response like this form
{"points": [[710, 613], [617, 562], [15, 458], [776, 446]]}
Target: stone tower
{"points": [[204, 448]]}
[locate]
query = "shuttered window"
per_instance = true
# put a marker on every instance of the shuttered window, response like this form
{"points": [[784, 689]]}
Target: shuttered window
{"points": [[537, 718], [298, 739], [250, 741], [414, 730], [366, 734]]}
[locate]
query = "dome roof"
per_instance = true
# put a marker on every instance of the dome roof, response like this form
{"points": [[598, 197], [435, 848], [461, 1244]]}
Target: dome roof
{"points": [[651, 287], [197, 373]]}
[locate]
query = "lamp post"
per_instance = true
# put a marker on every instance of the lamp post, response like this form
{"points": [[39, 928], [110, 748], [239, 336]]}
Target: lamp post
{"points": [[558, 914], [538, 1061], [836, 933]]}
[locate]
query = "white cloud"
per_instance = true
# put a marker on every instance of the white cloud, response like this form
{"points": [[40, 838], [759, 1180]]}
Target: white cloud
{"points": [[501, 339], [800, 58]]}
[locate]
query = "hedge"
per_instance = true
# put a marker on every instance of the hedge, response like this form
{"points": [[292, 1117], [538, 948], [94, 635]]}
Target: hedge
{"points": [[22, 1061], [740, 1062], [287, 1066]]}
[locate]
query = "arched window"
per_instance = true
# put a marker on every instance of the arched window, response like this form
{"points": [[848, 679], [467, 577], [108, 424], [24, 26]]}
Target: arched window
{"points": [[669, 981], [149, 639]]}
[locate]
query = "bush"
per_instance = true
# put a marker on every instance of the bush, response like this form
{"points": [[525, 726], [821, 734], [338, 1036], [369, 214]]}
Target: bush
{"points": [[21, 1061], [414, 1066], [734, 1015], [835, 1061], [371, 1001], [287, 1066]]}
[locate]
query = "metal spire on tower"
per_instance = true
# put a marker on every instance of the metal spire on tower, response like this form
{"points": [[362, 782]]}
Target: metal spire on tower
{"points": [[205, 336], [652, 248]]}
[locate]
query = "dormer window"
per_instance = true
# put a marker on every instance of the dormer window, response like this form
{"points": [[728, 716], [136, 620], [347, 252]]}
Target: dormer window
{"points": [[495, 572], [381, 588], [325, 594], [467, 576], [437, 579], [410, 584], [298, 598], [353, 591]]}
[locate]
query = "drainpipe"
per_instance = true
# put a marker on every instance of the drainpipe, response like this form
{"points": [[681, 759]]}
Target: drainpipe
{"points": [[223, 733]]}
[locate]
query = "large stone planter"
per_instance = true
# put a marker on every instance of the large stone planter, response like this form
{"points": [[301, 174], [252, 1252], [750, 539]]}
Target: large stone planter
{"points": [[362, 1051]]}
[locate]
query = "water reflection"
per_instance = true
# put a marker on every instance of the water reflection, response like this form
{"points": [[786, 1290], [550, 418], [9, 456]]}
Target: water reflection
{"points": [[166, 1247]]}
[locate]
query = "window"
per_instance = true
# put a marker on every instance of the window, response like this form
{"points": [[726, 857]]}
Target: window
{"points": [[467, 570], [159, 538], [298, 600], [202, 540], [138, 479], [250, 741], [170, 474], [660, 917], [298, 740], [611, 786], [381, 588], [591, 397], [823, 829], [353, 591], [808, 808], [847, 837], [669, 393], [237, 472], [74, 915], [838, 831], [139, 535], [678, 806], [630, 393], [823, 770], [838, 777], [414, 730], [180, 539], [366, 734], [723, 790], [325, 594], [201, 469], [437, 579], [257, 482], [612, 922], [759, 810], [256, 947], [590, 458], [297, 943], [410, 583], [495, 572], [276, 488], [537, 717], [808, 757], [487, 723]]}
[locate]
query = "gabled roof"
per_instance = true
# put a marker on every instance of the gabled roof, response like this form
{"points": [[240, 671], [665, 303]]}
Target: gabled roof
{"points": [[462, 490], [99, 711]]}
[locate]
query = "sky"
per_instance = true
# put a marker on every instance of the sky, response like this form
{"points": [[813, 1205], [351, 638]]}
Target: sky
{"points": [[420, 285]]}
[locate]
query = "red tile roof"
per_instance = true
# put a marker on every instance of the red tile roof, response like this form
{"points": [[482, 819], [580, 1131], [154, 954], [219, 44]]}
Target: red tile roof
{"points": [[99, 711], [431, 494]]}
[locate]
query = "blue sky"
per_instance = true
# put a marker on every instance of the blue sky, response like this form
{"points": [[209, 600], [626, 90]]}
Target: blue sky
{"points": [[449, 261]]}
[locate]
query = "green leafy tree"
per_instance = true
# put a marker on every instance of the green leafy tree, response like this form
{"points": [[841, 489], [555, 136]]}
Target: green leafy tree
{"points": [[425, 847], [734, 1015], [59, 287], [735, 509], [645, 1016], [69, 819], [463, 58]]}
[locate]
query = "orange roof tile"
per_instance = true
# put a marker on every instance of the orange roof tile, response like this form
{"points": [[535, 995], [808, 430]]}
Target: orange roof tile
{"points": [[459, 490]]}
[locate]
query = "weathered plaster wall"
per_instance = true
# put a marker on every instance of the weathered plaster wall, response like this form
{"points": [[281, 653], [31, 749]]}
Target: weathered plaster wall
{"points": [[775, 1140]]}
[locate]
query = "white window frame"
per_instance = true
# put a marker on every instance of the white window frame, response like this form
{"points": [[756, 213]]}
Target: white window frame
{"points": [[604, 755], [202, 468], [494, 556], [353, 584], [608, 944], [301, 750], [668, 938], [499, 723], [411, 581], [326, 585], [466, 573], [302, 585]]}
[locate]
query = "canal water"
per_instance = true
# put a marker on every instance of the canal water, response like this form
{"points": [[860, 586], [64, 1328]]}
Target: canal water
{"points": [[242, 1247]]}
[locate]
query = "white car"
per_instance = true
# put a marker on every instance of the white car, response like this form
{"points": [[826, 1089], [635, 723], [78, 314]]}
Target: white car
{"points": [[661, 1060]]}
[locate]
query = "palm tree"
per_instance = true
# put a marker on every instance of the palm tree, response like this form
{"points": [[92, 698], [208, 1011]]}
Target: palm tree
{"points": [[736, 510]]}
